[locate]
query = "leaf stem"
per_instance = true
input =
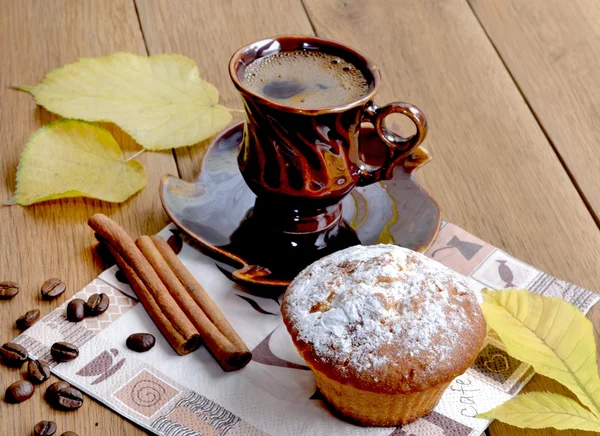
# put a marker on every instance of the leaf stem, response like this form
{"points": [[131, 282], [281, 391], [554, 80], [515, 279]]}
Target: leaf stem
{"points": [[133, 156], [240, 111]]}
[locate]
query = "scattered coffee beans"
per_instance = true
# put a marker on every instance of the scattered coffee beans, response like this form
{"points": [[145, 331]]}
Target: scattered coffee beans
{"points": [[76, 310], [8, 290], [140, 342], [38, 371], [13, 354], [69, 433], [96, 304], [64, 351], [19, 392], [63, 396], [52, 288], [27, 320], [44, 428]]}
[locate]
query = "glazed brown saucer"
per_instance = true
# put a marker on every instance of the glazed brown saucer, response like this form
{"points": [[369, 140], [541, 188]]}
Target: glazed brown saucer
{"points": [[216, 211]]}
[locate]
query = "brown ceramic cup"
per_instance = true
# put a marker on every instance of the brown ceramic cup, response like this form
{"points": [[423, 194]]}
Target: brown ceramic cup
{"points": [[301, 162]]}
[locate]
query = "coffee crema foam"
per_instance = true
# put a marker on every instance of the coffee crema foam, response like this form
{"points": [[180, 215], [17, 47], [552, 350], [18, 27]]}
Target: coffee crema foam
{"points": [[306, 79]]}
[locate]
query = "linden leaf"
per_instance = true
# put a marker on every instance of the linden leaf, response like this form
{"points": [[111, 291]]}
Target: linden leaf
{"points": [[544, 409], [160, 100], [69, 158], [549, 334]]}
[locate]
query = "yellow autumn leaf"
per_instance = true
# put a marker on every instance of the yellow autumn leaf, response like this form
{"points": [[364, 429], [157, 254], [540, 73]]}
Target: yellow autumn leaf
{"points": [[69, 158], [160, 100], [549, 334], [542, 410]]}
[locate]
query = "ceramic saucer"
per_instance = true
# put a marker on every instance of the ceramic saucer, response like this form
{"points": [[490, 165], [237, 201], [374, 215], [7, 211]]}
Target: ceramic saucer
{"points": [[211, 209]]}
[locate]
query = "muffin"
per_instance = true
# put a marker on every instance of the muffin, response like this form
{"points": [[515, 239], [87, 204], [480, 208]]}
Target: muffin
{"points": [[384, 330]]}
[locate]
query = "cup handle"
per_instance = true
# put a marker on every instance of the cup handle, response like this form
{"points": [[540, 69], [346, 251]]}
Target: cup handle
{"points": [[398, 147]]}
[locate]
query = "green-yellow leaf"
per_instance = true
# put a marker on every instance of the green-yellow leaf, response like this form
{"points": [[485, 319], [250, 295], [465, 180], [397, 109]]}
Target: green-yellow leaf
{"points": [[549, 334], [542, 410], [160, 100], [70, 158]]}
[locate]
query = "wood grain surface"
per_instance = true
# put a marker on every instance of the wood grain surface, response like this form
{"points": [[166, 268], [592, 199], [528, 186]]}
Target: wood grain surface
{"points": [[52, 239], [551, 50], [494, 171]]}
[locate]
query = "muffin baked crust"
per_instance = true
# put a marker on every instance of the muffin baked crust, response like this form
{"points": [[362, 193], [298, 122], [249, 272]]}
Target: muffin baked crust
{"points": [[384, 319]]}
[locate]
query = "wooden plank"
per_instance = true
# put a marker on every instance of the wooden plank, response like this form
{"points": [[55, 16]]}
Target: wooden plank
{"points": [[552, 49], [494, 173], [52, 239], [209, 33]]}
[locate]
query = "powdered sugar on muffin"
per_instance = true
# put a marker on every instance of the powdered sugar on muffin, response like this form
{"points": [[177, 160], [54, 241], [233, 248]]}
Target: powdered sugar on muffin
{"points": [[367, 310]]}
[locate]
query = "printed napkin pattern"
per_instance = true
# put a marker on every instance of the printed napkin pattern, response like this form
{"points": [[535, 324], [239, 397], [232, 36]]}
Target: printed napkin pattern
{"points": [[172, 395]]}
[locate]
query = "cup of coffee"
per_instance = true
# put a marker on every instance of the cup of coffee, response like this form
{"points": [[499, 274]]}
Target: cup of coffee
{"points": [[305, 99]]}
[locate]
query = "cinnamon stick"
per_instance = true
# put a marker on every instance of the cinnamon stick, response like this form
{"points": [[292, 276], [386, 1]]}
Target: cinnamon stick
{"points": [[133, 261], [180, 344], [228, 355], [198, 293]]}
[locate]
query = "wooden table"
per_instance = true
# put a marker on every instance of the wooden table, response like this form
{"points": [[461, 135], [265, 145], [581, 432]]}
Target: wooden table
{"points": [[511, 89]]}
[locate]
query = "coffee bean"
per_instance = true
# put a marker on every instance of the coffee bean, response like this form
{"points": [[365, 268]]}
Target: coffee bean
{"points": [[140, 342], [8, 290], [63, 351], [54, 388], [52, 288], [38, 371], [27, 320], [70, 399], [96, 304], [44, 428], [19, 392], [69, 433], [63, 396], [13, 354], [76, 310]]}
